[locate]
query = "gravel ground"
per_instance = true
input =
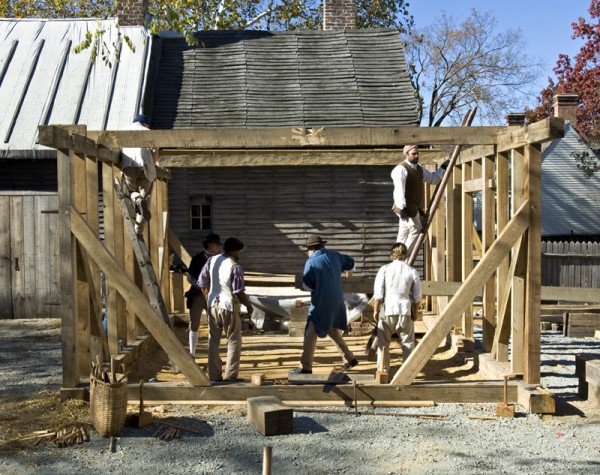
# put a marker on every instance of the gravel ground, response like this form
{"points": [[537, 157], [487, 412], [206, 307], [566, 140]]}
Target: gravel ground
{"points": [[224, 442]]}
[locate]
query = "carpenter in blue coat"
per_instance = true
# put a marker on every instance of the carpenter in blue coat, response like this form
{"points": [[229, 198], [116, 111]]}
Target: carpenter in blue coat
{"points": [[323, 278]]}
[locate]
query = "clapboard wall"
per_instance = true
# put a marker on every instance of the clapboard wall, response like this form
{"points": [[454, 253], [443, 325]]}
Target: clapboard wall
{"points": [[29, 281], [271, 209]]}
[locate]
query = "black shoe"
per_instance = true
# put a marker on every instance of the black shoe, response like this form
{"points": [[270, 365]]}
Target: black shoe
{"points": [[349, 365], [300, 371], [142, 208]]}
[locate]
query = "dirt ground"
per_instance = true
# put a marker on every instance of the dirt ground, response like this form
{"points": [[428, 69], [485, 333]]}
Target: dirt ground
{"points": [[37, 394]]}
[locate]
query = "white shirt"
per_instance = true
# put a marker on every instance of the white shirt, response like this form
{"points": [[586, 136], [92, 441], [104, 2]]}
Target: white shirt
{"points": [[398, 285], [399, 175], [139, 157]]}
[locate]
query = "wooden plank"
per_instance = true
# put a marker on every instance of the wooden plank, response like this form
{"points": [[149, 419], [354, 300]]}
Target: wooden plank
{"points": [[71, 137], [7, 264], [110, 243], [17, 252], [126, 287], [491, 259], [29, 264], [475, 153], [276, 137], [178, 248], [473, 185], [533, 193], [270, 416]]}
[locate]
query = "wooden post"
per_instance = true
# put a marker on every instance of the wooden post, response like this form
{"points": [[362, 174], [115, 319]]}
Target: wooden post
{"points": [[503, 285], [467, 246], [488, 224], [67, 252], [518, 283], [533, 193]]}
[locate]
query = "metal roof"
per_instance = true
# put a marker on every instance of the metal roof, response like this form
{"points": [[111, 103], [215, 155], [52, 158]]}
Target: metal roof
{"points": [[570, 201], [280, 79], [43, 82]]}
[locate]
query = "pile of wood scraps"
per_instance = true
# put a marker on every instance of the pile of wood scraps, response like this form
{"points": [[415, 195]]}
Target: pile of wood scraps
{"points": [[63, 438]]}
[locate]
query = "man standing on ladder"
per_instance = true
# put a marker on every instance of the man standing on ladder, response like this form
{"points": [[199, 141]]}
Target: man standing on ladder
{"points": [[139, 172], [408, 179]]}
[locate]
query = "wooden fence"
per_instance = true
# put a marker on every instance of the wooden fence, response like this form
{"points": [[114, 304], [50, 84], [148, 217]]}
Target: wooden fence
{"points": [[571, 264]]}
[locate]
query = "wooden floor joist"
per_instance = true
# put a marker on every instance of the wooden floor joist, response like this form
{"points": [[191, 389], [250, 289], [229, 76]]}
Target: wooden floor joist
{"points": [[439, 392]]}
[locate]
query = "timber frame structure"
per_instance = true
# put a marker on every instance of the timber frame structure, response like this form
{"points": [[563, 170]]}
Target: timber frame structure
{"points": [[502, 163]]}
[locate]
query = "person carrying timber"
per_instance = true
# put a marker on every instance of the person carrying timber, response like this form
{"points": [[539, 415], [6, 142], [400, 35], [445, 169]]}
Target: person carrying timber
{"points": [[139, 172], [396, 294], [222, 278], [195, 299], [408, 178], [327, 312]]}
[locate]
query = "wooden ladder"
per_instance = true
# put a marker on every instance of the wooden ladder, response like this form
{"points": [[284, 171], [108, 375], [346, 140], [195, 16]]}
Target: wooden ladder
{"points": [[142, 256]]}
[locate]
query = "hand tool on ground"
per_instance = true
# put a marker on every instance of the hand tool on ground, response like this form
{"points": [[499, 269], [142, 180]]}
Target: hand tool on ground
{"points": [[142, 418], [504, 409]]}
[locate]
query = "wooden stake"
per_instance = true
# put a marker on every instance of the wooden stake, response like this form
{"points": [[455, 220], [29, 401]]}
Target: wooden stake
{"points": [[267, 458]]}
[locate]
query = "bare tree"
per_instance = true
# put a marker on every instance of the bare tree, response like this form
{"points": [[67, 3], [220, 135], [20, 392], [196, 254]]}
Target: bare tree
{"points": [[457, 66]]}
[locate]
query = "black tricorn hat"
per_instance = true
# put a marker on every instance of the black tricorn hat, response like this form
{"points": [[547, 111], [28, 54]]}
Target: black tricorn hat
{"points": [[212, 238], [314, 240], [233, 244]]}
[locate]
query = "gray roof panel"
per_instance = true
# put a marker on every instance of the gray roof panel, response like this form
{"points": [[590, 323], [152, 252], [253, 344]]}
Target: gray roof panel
{"points": [[282, 79]]}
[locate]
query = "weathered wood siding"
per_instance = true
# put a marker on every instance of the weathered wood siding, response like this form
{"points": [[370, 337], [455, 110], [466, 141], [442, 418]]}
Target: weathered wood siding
{"points": [[571, 264], [272, 209], [29, 285]]}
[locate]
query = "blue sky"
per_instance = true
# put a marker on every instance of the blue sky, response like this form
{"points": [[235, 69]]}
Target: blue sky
{"points": [[546, 24]]}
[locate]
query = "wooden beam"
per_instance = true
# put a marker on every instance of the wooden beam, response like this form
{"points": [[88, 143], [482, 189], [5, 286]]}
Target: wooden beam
{"points": [[179, 248], [459, 302], [299, 137], [475, 153], [504, 285], [502, 333], [65, 137], [571, 294], [284, 157], [440, 392], [127, 288], [488, 232], [474, 185], [543, 131]]}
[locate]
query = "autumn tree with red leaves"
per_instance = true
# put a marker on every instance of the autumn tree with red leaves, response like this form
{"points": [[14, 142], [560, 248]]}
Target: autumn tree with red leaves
{"points": [[578, 75]]}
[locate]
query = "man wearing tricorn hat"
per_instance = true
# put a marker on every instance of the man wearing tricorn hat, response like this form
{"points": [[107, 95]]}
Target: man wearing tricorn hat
{"points": [[327, 313], [196, 301], [408, 179]]}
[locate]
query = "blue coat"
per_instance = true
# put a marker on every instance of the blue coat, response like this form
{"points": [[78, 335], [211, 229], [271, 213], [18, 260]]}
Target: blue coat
{"points": [[323, 277]]}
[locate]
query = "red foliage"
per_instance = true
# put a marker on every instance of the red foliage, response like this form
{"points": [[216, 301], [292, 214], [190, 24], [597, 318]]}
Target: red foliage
{"points": [[580, 75]]}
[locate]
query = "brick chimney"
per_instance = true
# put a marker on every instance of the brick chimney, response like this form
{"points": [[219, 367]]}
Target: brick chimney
{"points": [[339, 14], [565, 107], [515, 118], [132, 12]]}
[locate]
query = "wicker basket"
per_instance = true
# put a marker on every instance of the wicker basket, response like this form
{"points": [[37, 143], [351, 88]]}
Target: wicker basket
{"points": [[109, 406]]}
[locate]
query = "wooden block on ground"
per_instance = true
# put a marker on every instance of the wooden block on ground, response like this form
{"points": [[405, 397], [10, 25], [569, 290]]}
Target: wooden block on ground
{"points": [[270, 416], [258, 379], [535, 399], [582, 325], [580, 362]]}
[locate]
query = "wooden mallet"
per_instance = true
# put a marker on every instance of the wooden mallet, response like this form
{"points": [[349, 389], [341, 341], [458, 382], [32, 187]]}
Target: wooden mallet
{"points": [[142, 418], [504, 409]]}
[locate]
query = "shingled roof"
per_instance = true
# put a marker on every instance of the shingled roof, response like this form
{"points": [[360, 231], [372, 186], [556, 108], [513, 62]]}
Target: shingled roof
{"points": [[279, 79]]}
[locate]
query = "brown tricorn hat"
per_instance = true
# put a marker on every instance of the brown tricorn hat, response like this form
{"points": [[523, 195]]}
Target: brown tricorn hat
{"points": [[314, 240]]}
